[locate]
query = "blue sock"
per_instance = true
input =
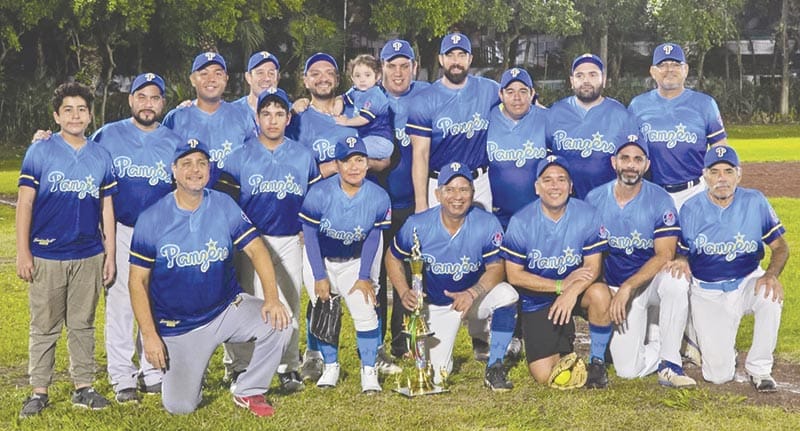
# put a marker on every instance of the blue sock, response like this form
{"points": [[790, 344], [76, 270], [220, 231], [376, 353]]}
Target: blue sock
{"points": [[600, 336], [368, 342], [504, 320], [330, 353]]}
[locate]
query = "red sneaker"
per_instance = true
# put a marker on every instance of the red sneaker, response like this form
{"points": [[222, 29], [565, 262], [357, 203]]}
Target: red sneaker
{"points": [[257, 404]]}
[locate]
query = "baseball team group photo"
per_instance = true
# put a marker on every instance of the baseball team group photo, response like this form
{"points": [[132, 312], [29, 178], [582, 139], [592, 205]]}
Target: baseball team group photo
{"points": [[254, 215]]}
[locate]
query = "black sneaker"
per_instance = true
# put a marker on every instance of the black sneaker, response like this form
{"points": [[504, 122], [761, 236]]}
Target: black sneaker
{"points": [[764, 383], [496, 378], [89, 399], [33, 405], [127, 395], [153, 389], [290, 382], [597, 376]]}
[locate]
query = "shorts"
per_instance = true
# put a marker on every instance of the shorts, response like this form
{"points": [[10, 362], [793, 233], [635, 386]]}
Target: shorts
{"points": [[543, 338]]}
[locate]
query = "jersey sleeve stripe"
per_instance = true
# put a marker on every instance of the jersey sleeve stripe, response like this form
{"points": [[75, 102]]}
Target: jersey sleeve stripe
{"points": [[771, 231], [383, 223], [109, 186], [314, 180], [144, 258], [667, 229], [28, 177], [400, 250], [244, 235], [491, 253], [308, 219], [715, 133], [364, 112], [595, 245], [682, 246], [512, 252], [420, 128]]}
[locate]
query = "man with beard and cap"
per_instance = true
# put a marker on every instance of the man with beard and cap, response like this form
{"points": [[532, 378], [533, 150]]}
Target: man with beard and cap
{"points": [[586, 128]]}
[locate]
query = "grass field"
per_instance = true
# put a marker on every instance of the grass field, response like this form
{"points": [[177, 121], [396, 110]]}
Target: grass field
{"points": [[636, 405]]}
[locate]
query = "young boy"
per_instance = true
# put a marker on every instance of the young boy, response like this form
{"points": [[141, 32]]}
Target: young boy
{"points": [[65, 189], [366, 107]]}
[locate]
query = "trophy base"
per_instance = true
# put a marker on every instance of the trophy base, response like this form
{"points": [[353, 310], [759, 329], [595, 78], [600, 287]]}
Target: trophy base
{"points": [[409, 393]]}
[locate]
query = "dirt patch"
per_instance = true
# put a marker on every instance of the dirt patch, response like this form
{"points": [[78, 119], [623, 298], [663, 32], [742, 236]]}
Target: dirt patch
{"points": [[774, 179]]}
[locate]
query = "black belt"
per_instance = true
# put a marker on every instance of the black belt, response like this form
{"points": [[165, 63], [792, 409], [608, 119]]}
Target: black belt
{"points": [[475, 172], [675, 188]]}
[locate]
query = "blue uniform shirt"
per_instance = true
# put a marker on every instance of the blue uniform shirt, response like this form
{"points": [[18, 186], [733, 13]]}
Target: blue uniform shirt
{"points": [[318, 132], [242, 103], [224, 131], [453, 263], [273, 183], [631, 230], [398, 181], [342, 222], [727, 243], [456, 121], [373, 105], [588, 139], [514, 149], [551, 249], [142, 163], [70, 186], [190, 255], [679, 132]]}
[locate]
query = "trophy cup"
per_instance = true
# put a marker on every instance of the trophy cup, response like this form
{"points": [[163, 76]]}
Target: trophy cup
{"points": [[421, 380]]}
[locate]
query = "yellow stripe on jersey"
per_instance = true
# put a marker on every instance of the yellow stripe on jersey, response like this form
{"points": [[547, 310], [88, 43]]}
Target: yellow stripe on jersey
{"points": [[414, 126], [715, 133], [595, 245], [682, 247], [383, 223], [29, 177], [248, 232], [370, 114], [144, 258], [397, 247], [778, 226], [106, 187], [491, 253], [314, 180], [667, 229], [308, 219], [512, 252]]}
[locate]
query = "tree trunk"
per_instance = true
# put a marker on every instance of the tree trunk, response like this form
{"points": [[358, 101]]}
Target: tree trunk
{"points": [[784, 106], [109, 75], [700, 64], [740, 65], [604, 45]]}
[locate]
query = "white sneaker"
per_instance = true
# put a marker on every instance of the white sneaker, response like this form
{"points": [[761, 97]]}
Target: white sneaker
{"points": [[669, 377], [330, 376], [369, 380], [385, 364]]}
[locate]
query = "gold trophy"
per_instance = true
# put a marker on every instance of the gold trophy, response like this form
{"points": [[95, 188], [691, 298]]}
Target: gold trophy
{"points": [[421, 380]]}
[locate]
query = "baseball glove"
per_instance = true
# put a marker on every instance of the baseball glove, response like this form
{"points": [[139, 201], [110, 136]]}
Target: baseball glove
{"points": [[576, 368]]}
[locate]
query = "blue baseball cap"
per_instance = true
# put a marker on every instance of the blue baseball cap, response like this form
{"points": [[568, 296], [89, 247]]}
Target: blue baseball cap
{"points": [[349, 146], [146, 79], [320, 56], [516, 74], [452, 170], [206, 58], [634, 140], [552, 160], [260, 57], [455, 41], [721, 154], [587, 58], [668, 51], [273, 93], [397, 48], [190, 146]]}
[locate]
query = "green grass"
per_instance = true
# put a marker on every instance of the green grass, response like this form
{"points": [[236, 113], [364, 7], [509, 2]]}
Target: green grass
{"points": [[627, 404]]}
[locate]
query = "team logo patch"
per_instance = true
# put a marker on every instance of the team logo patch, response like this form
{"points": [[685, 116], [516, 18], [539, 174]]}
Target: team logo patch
{"points": [[720, 151], [388, 215], [367, 104], [150, 76], [514, 72], [604, 234], [669, 218], [211, 55], [497, 239], [455, 166], [668, 49], [396, 46], [350, 141], [455, 39]]}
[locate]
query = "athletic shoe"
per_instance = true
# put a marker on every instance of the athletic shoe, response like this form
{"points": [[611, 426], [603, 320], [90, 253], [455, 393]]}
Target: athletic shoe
{"points": [[672, 375], [330, 376], [496, 378], [127, 395], [311, 369], [153, 389], [89, 399], [257, 404], [33, 405], [480, 349], [690, 352], [763, 383], [385, 364], [514, 350], [290, 381], [369, 380], [597, 376]]}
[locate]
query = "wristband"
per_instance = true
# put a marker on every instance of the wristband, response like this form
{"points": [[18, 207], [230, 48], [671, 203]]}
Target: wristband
{"points": [[558, 287]]}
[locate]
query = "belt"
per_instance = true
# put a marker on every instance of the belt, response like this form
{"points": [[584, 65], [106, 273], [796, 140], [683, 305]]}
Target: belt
{"points": [[675, 188], [475, 172], [725, 285], [342, 259]]}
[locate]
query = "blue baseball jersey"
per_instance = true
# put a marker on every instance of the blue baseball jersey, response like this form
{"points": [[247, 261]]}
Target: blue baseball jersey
{"points": [[453, 263], [372, 105], [588, 139], [679, 132], [398, 181], [273, 183], [190, 255], [224, 131], [342, 222], [457, 121], [551, 249], [70, 186], [514, 149], [318, 132], [242, 103], [142, 164], [727, 243], [632, 229]]}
